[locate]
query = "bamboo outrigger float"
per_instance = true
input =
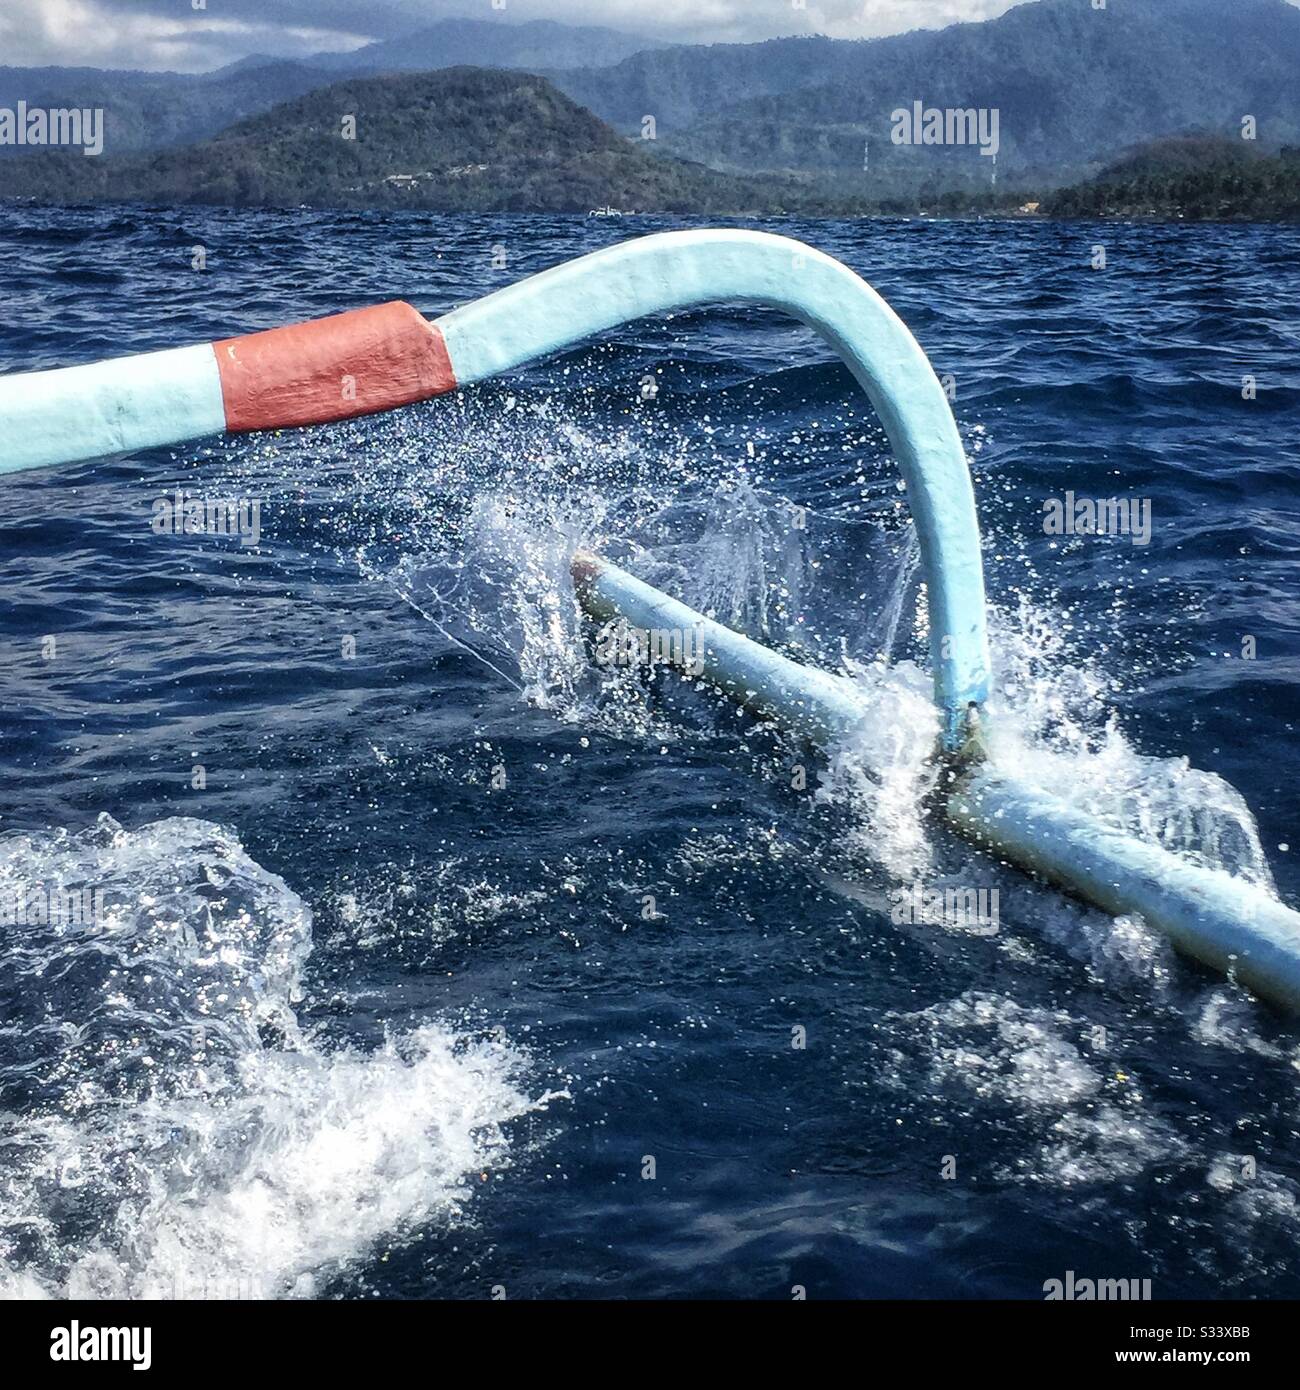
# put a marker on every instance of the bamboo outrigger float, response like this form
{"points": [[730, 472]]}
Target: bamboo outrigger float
{"points": [[377, 359]]}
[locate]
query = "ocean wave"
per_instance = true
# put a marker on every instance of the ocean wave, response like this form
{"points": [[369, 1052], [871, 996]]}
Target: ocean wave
{"points": [[170, 1130]]}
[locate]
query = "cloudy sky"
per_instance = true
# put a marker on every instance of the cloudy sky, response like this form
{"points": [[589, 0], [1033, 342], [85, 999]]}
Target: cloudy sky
{"points": [[195, 35]]}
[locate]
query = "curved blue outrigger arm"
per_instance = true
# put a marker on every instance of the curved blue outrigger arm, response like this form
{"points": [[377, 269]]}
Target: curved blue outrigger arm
{"points": [[392, 356], [375, 359]]}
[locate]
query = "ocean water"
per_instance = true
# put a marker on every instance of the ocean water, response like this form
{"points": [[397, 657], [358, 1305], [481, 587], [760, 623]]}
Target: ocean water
{"points": [[468, 968]]}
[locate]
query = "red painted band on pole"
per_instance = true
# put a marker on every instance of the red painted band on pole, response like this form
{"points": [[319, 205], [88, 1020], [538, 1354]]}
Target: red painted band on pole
{"points": [[332, 369]]}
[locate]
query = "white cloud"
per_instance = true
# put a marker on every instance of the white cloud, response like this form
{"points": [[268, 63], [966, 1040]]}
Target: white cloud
{"points": [[90, 33], [158, 34], [744, 20], [171, 33], [854, 19]]}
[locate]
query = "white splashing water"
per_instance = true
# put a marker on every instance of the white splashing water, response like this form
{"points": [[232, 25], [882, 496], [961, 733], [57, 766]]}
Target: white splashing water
{"points": [[1048, 719], [503, 589], [178, 1134], [987, 1055], [730, 554]]}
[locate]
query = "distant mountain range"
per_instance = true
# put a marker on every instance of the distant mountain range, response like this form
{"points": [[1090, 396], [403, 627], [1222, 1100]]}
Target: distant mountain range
{"points": [[152, 110], [492, 140], [461, 139], [487, 43], [1072, 88]]}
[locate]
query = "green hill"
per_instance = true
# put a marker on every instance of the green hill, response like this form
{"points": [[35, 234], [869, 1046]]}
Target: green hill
{"points": [[1196, 177], [155, 110], [464, 139]]}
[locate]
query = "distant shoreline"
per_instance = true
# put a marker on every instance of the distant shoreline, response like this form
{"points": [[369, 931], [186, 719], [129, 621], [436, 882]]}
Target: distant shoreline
{"points": [[1110, 218]]}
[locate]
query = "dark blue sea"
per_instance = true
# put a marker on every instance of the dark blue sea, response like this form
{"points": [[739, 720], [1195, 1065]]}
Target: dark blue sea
{"points": [[433, 961]]}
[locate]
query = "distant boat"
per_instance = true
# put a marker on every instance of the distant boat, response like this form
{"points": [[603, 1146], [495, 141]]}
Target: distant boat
{"points": [[605, 212]]}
